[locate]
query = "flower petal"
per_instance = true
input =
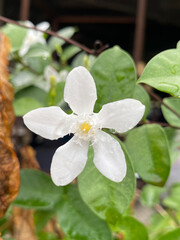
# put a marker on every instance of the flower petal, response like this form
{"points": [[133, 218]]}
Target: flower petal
{"points": [[28, 23], [63, 75], [109, 158], [121, 115], [80, 91], [49, 72], [48, 122], [68, 162], [43, 26], [23, 50]]}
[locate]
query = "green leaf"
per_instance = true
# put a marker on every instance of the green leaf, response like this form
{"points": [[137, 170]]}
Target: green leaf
{"points": [[38, 57], [149, 150], [173, 235], [178, 45], [41, 217], [47, 236], [59, 94], [132, 229], [70, 51], [42, 84], [23, 79], [172, 134], [4, 221], [37, 190], [7, 238], [16, 35], [150, 195], [141, 95], [105, 197], [24, 105], [115, 76], [66, 32], [32, 92], [77, 220], [159, 224], [79, 60], [173, 201], [170, 117], [163, 72]]}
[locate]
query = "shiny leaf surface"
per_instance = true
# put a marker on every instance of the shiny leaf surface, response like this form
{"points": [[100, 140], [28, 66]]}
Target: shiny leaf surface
{"points": [[149, 150]]}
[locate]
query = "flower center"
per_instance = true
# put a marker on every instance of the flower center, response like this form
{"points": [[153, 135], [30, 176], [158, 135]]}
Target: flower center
{"points": [[85, 127]]}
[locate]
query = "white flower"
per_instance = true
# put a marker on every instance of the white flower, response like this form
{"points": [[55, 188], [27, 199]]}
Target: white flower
{"points": [[50, 73], [52, 123], [52, 76], [33, 36], [63, 75]]}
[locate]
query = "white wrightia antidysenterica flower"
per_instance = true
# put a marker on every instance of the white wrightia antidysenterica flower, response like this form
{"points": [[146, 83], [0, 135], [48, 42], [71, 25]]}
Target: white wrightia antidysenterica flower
{"points": [[52, 76], [33, 36], [50, 73], [52, 123]]}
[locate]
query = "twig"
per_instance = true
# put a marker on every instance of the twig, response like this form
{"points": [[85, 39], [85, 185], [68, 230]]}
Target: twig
{"points": [[160, 210], [99, 47], [17, 59], [165, 212], [57, 229], [160, 123], [52, 33], [172, 214], [159, 99]]}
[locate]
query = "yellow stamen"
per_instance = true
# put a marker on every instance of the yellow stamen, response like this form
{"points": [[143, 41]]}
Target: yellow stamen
{"points": [[52, 77], [85, 127]]}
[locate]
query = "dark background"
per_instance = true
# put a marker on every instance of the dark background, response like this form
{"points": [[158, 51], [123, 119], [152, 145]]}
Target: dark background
{"points": [[162, 21]]}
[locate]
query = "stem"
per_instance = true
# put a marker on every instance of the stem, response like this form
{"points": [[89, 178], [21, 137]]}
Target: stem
{"points": [[17, 59], [52, 33], [3, 227], [160, 123], [169, 212], [57, 229], [120, 236], [159, 99], [160, 210], [172, 214]]}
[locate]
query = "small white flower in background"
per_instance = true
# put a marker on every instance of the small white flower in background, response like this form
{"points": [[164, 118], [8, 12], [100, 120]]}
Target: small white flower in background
{"points": [[52, 123], [63, 75], [33, 36], [51, 75]]}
